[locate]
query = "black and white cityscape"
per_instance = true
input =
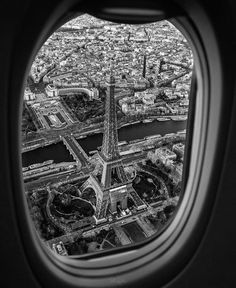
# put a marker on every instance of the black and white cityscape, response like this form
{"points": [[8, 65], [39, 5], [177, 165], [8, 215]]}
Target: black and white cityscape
{"points": [[103, 133]]}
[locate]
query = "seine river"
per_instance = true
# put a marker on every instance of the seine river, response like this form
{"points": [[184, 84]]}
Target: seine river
{"points": [[59, 153]]}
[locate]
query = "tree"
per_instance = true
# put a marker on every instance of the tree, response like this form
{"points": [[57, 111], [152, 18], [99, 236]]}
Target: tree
{"points": [[65, 199]]}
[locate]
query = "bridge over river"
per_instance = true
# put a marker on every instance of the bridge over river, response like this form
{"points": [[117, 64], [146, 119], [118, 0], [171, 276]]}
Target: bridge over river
{"points": [[76, 151]]}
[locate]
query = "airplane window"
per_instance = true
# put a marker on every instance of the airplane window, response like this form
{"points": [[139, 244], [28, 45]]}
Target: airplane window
{"points": [[104, 125]]}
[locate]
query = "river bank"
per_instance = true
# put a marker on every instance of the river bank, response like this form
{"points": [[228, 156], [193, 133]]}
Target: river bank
{"points": [[59, 153]]}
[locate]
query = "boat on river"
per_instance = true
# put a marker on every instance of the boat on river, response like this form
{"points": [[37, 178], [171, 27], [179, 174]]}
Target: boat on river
{"points": [[147, 120], [163, 119]]}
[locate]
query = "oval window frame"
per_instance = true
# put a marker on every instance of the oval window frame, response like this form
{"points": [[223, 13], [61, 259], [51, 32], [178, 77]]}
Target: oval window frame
{"points": [[123, 268]]}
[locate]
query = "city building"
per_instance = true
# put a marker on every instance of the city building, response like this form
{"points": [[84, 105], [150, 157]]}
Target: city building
{"points": [[165, 155], [59, 248], [179, 148], [28, 95]]}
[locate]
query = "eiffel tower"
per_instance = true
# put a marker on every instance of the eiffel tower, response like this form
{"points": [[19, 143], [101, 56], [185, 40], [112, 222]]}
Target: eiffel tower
{"points": [[109, 180]]}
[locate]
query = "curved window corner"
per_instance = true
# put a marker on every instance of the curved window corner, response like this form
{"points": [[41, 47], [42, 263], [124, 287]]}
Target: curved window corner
{"points": [[114, 132]]}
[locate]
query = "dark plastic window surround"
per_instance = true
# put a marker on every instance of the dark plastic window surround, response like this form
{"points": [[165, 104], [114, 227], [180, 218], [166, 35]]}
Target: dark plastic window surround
{"points": [[165, 256]]}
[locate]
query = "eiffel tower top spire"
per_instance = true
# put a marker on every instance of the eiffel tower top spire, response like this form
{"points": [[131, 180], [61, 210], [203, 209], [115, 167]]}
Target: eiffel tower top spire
{"points": [[111, 78]]}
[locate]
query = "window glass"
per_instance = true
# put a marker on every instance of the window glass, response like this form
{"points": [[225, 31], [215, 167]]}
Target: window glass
{"points": [[103, 133]]}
